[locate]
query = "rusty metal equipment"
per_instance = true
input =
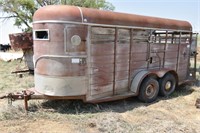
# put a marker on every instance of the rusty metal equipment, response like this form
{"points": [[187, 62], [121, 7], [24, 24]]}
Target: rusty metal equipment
{"points": [[24, 42], [24, 95], [21, 41], [97, 56], [31, 94]]}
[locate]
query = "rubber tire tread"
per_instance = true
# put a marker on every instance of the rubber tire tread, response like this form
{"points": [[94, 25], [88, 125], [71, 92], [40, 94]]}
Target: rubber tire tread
{"points": [[147, 81], [163, 81]]}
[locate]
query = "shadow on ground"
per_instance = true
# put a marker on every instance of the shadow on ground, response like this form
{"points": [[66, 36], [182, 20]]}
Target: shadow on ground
{"points": [[78, 106]]}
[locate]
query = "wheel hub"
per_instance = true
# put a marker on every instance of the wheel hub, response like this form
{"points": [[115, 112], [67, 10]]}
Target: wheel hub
{"points": [[150, 90], [168, 85]]}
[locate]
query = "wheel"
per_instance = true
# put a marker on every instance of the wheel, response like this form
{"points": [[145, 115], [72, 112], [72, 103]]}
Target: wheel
{"points": [[167, 85], [149, 90]]}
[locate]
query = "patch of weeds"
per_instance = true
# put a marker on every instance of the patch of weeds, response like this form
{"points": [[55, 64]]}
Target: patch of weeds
{"points": [[11, 113], [73, 111], [70, 107], [112, 123], [182, 91]]}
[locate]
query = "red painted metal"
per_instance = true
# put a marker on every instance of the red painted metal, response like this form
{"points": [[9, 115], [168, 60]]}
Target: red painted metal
{"points": [[73, 14]]}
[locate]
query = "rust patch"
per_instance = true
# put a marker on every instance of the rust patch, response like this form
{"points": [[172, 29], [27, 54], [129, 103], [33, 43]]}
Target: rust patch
{"points": [[21, 41]]}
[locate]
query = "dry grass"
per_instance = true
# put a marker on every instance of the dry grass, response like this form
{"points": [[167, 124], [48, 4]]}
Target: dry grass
{"points": [[176, 113], [9, 81]]}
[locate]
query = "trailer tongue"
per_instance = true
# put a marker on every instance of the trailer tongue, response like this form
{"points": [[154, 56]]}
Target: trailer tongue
{"points": [[24, 95], [32, 94]]}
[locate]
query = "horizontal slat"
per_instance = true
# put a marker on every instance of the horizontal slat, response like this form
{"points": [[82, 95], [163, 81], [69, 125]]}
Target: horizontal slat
{"points": [[97, 89], [155, 64], [102, 35], [101, 30], [183, 60], [139, 48], [172, 66], [122, 58], [121, 75], [101, 78], [122, 66], [182, 74], [102, 59], [169, 55], [171, 60], [157, 56], [124, 34], [139, 32], [171, 47], [106, 37], [155, 47], [121, 86], [182, 66], [101, 68], [139, 64], [139, 56], [102, 49], [122, 48]]}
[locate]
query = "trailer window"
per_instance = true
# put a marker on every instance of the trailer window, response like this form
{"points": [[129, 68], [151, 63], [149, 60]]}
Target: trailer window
{"points": [[41, 34]]}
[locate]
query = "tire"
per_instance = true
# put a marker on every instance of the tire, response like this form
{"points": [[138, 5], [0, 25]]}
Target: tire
{"points": [[149, 90], [167, 85]]}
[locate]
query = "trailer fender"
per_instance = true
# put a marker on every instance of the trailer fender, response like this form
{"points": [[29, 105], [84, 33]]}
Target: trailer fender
{"points": [[142, 74], [161, 73], [137, 79]]}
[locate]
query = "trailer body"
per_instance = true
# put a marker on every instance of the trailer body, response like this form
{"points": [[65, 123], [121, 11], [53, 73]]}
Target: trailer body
{"points": [[96, 56]]}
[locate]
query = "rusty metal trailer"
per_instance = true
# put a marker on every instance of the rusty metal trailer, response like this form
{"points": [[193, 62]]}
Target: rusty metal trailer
{"points": [[97, 56]]}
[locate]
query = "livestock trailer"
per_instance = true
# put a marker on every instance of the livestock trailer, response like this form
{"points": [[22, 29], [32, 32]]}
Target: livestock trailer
{"points": [[96, 55]]}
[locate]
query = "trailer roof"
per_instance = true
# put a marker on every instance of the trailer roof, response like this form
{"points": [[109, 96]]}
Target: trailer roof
{"points": [[61, 13]]}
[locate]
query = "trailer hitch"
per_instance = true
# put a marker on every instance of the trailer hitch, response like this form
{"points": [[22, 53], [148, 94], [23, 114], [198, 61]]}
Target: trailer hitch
{"points": [[32, 94], [24, 95]]}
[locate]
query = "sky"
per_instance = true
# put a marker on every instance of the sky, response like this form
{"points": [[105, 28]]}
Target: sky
{"points": [[6, 28], [188, 10]]}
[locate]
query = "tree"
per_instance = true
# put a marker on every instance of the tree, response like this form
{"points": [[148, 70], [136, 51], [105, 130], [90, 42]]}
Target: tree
{"points": [[97, 4], [23, 10]]}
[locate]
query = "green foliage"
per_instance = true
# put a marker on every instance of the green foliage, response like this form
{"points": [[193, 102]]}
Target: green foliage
{"points": [[23, 10], [97, 4]]}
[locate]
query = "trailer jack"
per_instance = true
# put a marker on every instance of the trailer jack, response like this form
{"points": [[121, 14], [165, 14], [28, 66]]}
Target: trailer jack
{"points": [[24, 95]]}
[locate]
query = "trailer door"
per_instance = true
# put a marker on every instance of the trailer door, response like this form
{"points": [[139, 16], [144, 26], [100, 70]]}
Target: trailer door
{"points": [[193, 56], [157, 44], [101, 43], [184, 56]]}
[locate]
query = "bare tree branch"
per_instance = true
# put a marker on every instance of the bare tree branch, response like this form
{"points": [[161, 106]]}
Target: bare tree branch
{"points": [[7, 17]]}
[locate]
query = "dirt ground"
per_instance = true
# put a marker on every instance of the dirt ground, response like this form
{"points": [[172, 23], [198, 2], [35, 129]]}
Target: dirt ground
{"points": [[175, 114]]}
